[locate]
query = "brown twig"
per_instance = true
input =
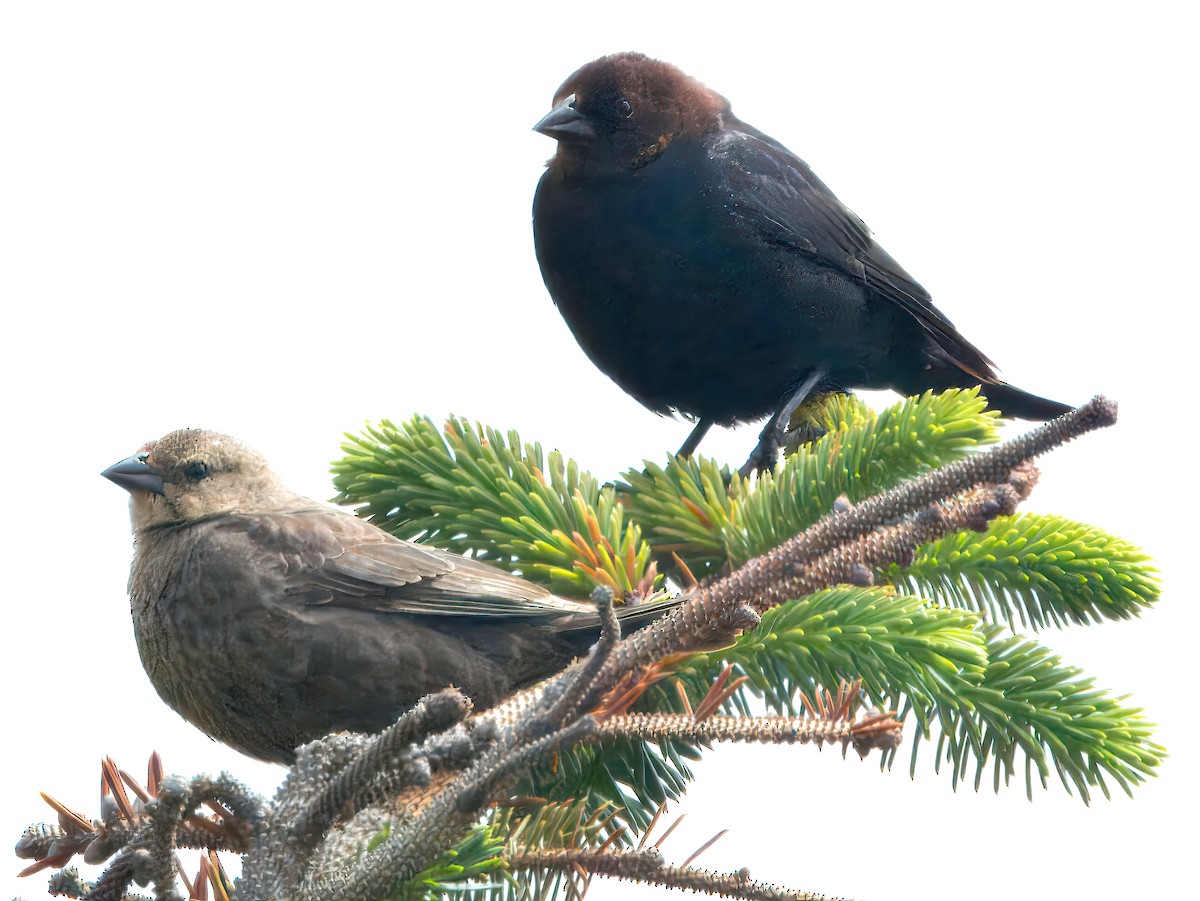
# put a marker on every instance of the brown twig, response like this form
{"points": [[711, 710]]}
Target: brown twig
{"points": [[648, 866]]}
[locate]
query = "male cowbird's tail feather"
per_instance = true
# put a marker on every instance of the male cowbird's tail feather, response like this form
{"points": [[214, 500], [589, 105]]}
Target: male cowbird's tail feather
{"points": [[1011, 401], [949, 371]]}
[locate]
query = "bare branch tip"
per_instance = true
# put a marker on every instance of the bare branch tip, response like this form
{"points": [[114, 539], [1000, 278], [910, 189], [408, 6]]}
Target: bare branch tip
{"points": [[1106, 409]]}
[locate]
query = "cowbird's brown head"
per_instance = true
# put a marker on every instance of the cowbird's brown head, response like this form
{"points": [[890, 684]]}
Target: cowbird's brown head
{"points": [[192, 474], [624, 110]]}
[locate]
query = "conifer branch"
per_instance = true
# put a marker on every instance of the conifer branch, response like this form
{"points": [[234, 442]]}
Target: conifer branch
{"points": [[578, 682], [697, 510], [479, 491], [1027, 701], [874, 731], [385, 766], [719, 611], [647, 865], [1037, 570], [142, 838]]}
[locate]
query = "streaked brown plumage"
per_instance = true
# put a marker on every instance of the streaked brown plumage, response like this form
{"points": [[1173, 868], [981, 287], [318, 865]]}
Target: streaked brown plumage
{"points": [[268, 620]]}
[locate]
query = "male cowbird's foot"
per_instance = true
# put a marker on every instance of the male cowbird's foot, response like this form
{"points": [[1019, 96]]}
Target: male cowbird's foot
{"points": [[803, 434], [765, 454]]}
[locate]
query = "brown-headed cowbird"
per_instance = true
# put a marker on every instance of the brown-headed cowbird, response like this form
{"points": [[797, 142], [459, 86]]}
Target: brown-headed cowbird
{"points": [[704, 268], [267, 620]]}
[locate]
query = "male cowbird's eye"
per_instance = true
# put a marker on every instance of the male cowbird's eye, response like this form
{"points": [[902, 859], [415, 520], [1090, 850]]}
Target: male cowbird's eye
{"points": [[196, 470], [625, 108], [571, 102]]}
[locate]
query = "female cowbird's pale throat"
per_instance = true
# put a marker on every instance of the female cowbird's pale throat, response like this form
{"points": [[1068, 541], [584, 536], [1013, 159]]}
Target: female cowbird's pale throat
{"points": [[267, 620], [705, 269]]}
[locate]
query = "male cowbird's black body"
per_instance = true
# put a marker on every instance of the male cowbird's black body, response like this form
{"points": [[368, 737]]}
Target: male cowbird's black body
{"points": [[267, 620], [705, 268]]}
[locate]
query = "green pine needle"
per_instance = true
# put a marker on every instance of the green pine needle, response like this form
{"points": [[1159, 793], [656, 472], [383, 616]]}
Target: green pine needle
{"points": [[468, 867], [1030, 704], [476, 869], [634, 776], [898, 645], [475, 490], [696, 509], [986, 696], [1035, 569]]}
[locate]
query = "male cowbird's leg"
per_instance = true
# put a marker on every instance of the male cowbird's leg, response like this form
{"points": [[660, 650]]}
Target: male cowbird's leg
{"points": [[693, 440], [770, 439]]}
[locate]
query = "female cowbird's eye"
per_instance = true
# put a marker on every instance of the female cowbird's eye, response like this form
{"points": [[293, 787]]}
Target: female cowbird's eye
{"points": [[196, 470], [625, 108]]}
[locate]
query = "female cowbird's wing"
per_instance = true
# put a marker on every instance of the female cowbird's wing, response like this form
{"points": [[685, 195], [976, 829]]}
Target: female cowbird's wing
{"points": [[329, 558], [783, 200]]}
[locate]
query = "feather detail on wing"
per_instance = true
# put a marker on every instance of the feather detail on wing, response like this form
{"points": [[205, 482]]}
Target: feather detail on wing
{"points": [[331, 558], [780, 196]]}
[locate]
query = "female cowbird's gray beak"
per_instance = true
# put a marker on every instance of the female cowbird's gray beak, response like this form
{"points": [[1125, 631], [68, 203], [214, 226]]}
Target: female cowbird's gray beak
{"points": [[135, 474], [564, 121]]}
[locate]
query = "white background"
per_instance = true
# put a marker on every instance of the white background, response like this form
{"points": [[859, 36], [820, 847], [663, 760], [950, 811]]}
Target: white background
{"points": [[283, 220]]}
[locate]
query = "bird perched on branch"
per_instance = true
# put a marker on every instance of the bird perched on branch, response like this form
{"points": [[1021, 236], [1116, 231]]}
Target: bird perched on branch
{"points": [[704, 268], [268, 620]]}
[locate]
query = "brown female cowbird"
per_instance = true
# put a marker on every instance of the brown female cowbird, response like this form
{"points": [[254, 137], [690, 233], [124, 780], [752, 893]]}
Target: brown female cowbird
{"points": [[706, 270], [268, 620]]}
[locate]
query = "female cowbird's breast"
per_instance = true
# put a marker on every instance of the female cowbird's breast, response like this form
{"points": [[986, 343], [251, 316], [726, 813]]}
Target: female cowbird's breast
{"points": [[232, 646]]}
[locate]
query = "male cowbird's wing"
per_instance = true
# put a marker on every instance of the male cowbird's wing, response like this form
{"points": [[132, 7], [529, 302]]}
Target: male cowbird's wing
{"points": [[779, 196], [328, 558]]}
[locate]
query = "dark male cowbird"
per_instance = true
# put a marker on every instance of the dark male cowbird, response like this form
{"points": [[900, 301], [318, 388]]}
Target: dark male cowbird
{"points": [[267, 620], [704, 268]]}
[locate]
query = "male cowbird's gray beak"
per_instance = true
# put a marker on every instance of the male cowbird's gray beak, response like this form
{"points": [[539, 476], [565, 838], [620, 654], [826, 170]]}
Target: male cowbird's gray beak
{"points": [[135, 474], [564, 121]]}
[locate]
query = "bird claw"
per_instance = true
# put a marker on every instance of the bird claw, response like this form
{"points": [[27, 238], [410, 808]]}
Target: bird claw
{"points": [[764, 456], [796, 438]]}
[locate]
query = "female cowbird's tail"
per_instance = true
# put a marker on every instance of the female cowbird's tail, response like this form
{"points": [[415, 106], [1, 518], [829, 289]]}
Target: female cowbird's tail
{"points": [[582, 633]]}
